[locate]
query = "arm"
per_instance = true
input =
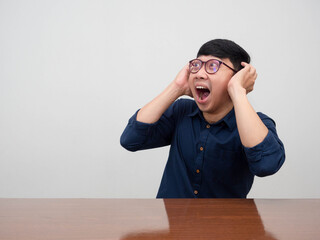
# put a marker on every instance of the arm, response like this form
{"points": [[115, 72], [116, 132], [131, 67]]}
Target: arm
{"points": [[152, 126], [152, 112], [267, 157], [251, 129], [264, 150]]}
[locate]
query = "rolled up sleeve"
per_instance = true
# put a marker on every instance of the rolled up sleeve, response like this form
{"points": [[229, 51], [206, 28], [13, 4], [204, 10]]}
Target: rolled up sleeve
{"points": [[267, 157], [139, 136]]}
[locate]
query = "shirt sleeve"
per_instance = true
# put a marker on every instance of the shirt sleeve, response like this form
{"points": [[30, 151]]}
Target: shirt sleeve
{"points": [[139, 136], [267, 157]]}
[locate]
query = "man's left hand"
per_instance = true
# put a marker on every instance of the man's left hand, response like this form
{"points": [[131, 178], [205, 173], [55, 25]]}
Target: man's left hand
{"points": [[243, 80]]}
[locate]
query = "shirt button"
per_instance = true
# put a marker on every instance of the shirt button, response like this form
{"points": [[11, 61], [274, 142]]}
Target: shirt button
{"points": [[198, 171], [195, 192], [208, 126], [201, 148]]}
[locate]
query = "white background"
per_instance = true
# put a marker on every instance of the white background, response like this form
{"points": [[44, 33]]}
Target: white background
{"points": [[73, 72]]}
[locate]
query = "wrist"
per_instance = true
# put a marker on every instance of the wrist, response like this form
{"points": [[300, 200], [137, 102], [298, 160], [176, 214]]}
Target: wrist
{"points": [[236, 91], [177, 89]]}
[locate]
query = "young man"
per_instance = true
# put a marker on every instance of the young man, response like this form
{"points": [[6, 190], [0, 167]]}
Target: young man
{"points": [[218, 142]]}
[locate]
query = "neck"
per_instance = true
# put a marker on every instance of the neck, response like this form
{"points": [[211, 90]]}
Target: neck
{"points": [[213, 117]]}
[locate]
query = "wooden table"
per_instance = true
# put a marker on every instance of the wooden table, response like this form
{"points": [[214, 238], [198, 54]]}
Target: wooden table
{"points": [[159, 219]]}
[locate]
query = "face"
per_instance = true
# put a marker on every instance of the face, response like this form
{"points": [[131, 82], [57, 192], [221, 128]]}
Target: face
{"points": [[210, 90]]}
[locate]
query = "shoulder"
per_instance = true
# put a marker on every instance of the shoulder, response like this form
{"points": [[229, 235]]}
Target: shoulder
{"points": [[184, 106], [180, 108]]}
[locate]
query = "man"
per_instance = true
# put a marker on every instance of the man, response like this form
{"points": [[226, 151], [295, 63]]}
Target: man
{"points": [[218, 142]]}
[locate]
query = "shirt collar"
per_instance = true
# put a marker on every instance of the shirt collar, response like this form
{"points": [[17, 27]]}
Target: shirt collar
{"points": [[229, 119], [195, 112]]}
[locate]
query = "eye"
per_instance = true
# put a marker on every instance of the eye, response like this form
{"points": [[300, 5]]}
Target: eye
{"points": [[213, 66], [195, 64]]}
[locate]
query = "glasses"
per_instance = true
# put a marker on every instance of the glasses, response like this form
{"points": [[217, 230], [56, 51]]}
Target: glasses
{"points": [[211, 66]]}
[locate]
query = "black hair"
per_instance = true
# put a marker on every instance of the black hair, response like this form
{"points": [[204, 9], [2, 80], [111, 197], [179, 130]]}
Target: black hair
{"points": [[223, 48]]}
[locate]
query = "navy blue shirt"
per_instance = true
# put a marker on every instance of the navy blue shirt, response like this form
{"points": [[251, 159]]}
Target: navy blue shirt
{"points": [[205, 160]]}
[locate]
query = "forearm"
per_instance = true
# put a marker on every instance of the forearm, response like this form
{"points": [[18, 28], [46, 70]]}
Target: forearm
{"points": [[152, 112], [251, 129]]}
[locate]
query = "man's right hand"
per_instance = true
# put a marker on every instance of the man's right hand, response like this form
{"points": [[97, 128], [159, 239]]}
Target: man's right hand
{"points": [[181, 81]]}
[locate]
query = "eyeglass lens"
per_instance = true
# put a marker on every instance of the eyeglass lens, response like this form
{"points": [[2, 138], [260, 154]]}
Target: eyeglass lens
{"points": [[212, 66]]}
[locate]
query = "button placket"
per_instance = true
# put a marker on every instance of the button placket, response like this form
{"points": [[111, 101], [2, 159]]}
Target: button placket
{"points": [[206, 127]]}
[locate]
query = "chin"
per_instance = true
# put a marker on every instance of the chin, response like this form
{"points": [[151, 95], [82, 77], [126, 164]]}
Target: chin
{"points": [[203, 108]]}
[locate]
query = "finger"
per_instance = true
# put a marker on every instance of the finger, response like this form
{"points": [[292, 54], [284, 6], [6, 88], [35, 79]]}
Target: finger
{"points": [[246, 67], [252, 69], [244, 64], [186, 69]]}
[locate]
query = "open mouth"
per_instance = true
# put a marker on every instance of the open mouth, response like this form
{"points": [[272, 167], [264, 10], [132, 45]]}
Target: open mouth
{"points": [[202, 92]]}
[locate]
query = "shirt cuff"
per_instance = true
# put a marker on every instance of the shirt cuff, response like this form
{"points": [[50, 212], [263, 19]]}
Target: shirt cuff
{"points": [[268, 146]]}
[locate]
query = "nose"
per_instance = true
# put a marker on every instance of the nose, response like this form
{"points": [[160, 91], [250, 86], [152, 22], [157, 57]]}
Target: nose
{"points": [[202, 74]]}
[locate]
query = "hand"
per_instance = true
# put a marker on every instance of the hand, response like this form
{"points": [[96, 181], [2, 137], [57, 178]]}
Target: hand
{"points": [[243, 80], [181, 81]]}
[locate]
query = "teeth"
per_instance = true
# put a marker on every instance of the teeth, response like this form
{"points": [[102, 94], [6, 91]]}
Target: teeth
{"points": [[200, 87]]}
